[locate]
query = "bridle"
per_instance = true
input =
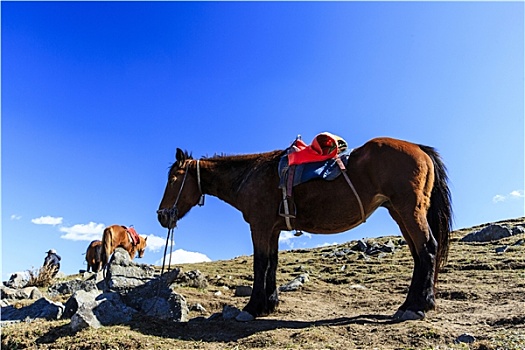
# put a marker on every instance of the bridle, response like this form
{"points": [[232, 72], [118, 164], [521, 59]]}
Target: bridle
{"points": [[172, 214]]}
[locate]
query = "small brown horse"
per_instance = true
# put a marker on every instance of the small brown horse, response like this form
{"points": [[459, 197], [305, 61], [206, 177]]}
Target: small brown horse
{"points": [[94, 256], [118, 236], [409, 180]]}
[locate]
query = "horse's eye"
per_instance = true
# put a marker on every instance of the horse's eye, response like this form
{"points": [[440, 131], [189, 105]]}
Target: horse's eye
{"points": [[172, 180]]}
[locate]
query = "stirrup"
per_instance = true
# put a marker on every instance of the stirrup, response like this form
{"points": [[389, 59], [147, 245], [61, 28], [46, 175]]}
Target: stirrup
{"points": [[286, 213]]}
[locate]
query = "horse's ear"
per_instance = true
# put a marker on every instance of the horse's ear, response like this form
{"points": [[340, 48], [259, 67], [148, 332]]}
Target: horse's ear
{"points": [[146, 238], [180, 157]]}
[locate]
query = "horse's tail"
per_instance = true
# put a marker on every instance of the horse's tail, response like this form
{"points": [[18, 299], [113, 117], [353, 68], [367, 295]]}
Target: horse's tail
{"points": [[107, 243], [439, 215]]}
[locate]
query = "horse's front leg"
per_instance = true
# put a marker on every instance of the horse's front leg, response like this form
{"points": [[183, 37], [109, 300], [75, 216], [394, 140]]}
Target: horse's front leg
{"points": [[264, 298], [271, 295]]}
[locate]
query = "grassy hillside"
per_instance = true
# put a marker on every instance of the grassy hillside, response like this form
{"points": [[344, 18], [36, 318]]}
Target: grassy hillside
{"points": [[346, 304]]}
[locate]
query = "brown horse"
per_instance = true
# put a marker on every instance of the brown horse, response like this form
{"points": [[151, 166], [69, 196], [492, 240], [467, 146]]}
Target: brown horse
{"points": [[409, 180], [94, 256], [118, 236]]}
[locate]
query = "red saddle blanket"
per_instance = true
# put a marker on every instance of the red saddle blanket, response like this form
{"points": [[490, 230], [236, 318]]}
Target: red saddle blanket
{"points": [[324, 146], [133, 235]]}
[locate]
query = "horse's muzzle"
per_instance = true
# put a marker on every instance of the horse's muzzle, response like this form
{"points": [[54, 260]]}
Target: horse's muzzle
{"points": [[168, 217]]}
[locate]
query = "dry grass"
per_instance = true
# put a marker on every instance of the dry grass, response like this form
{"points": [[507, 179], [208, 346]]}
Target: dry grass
{"points": [[42, 277], [480, 292]]}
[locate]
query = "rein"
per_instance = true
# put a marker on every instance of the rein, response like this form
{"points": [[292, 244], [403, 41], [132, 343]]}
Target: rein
{"points": [[173, 213]]}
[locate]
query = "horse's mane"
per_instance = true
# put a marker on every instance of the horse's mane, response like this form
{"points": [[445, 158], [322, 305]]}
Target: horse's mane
{"points": [[250, 162]]}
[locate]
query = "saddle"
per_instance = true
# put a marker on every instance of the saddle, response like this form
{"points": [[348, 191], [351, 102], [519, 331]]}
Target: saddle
{"points": [[133, 235], [325, 158]]}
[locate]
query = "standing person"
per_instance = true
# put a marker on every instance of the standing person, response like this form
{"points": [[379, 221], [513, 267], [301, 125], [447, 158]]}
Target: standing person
{"points": [[52, 261]]}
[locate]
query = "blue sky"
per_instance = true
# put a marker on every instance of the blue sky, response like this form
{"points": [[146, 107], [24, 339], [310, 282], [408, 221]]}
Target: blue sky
{"points": [[97, 96]]}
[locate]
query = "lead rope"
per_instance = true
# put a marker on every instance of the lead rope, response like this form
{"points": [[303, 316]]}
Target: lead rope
{"points": [[172, 212]]}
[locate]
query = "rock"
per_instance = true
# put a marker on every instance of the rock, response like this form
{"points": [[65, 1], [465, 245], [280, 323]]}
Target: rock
{"points": [[244, 317], [465, 338], [123, 274], [295, 284], [194, 279], [157, 298], [518, 230], [357, 287], [361, 246], [389, 247], [501, 250], [42, 308], [490, 233], [197, 307], [230, 312], [519, 242], [243, 291], [106, 309], [20, 294], [70, 287], [17, 280], [78, 299]]}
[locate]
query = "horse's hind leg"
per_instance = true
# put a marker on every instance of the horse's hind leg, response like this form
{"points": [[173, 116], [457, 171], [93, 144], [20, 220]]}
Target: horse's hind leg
{"points": [[423, 247]]}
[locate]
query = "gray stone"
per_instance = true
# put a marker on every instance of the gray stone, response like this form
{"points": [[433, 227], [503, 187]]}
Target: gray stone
{"points": [[123, 274], [158, 298], [20, 294], [230, 312], [295, 284], [79, 298], [17, 280], [465, 338], [194, 279], [70, 287], [490, 233], [197, 307], [518, 230], [501, 250], [42, 308], [361, 246], [243, 291], [105, 310]]}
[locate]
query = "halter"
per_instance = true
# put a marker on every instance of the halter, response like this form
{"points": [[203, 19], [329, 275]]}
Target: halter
{"points": [[173, 213]]}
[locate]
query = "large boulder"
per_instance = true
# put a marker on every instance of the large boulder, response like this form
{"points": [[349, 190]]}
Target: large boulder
{"points": [[20, 294], [17, 280], [42, 308], [157, 298], [70, 287], [490, 233], [104, 310], [123, 274]]}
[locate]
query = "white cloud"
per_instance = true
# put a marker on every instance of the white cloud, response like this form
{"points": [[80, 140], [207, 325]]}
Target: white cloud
{"points": [[47, 220], [326, 244], [83, 232], [498, 198], [181, 256], [516, 194], [155, 243], [286, 238], [16, 217]]}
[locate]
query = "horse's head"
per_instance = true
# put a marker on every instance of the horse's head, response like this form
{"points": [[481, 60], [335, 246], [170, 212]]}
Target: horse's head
{"points": [[141, 246], [181, 193]]}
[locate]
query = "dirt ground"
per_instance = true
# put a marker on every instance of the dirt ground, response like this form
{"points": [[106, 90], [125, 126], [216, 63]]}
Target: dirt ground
{"points": [[346, 304]]}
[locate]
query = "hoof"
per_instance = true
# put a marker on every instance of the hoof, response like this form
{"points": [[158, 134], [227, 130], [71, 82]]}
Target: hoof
{"points": [[409, 315], [244, 317]]}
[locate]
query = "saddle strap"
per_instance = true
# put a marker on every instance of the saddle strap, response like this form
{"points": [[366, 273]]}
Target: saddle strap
{"points": [[343, 170], [286, 211]]}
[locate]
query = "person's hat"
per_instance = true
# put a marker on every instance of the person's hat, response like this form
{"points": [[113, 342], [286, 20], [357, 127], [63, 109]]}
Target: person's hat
{"points": [[51, 251]]}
